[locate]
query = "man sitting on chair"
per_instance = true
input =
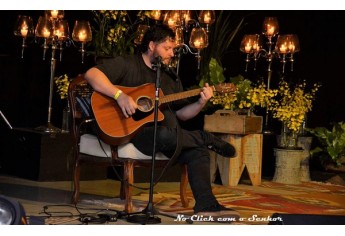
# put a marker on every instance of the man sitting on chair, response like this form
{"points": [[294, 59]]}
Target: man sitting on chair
{"points": [[135, 70]]}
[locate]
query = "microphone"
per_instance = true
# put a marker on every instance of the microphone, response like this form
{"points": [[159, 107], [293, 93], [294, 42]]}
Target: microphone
{"points": [[157, 63], [159, 58]]}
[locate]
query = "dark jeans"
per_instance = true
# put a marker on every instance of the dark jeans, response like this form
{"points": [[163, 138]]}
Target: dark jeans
{"points": [[194, 153]]}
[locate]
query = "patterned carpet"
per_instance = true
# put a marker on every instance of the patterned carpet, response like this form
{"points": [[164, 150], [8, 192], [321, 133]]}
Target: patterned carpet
{"points": [[257, 203]]}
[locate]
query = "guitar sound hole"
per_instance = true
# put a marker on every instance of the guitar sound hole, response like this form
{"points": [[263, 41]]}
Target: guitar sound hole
{"points": [[145, 104]]}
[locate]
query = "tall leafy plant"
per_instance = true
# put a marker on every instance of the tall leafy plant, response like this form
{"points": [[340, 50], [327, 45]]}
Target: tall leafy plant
{"points": [[221, 35]]}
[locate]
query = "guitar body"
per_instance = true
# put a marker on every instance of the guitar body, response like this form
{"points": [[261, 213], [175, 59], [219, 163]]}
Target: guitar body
{"points": [[115, 128]]}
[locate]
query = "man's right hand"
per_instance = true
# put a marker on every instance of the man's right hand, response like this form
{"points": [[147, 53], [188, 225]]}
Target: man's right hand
{"points": [[127, 104]]}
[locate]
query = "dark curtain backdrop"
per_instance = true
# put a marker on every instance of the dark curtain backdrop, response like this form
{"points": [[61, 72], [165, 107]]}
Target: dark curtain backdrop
{"points": [[24, 83]]}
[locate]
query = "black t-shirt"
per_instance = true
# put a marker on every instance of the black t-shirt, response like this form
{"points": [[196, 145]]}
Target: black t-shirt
{"points": [[131, 71]]}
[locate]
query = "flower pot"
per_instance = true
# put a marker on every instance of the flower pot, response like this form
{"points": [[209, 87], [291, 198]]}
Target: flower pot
{"points": [[288, 165], [288, 138], [305, 143], [66, 119], [302, 143]]}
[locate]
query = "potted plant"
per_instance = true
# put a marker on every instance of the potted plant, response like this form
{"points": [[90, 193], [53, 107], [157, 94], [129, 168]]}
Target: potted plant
{"points": [[236, 114], [331, 146], [62, 82], [221, 37], [290, 106], [246, 97]]}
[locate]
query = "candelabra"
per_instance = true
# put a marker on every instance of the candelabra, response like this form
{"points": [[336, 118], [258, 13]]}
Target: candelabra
{"points": [[24, 28], [82, 33], [283, 49], [55, 33], [182, 24]]}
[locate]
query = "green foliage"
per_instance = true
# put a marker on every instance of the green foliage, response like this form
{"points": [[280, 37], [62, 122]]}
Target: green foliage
{"points": [[114, 32], [216, 75], [231, 101], [243, 86], [332, 142], [221, 36]]}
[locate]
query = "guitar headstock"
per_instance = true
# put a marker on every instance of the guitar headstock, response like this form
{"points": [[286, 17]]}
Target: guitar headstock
{"points": [[225, 88]]}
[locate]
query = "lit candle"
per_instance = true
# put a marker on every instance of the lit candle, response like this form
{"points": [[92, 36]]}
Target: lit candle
{"points": [[283, 48], [207, 18], [186, 17], [291, 47], [270, 30], [171, 22], [82, 36], [24, 32], [24, 29], [197, 43], [156, 15], [248, 47], [54, 13], [46, 33], [140, 38], [58, 33]]}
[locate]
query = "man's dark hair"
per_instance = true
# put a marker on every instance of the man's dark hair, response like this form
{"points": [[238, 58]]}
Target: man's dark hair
{"points": [[157, 34]]}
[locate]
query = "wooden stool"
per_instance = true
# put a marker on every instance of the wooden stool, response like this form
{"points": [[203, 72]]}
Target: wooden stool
{"points": [[249, 154]]}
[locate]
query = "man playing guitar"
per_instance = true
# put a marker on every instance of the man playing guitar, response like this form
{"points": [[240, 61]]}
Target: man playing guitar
{"points": [[136, 70]]}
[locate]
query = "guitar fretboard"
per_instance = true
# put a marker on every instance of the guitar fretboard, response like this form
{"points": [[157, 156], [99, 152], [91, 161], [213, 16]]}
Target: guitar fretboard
{"points": [[227, 88], [178, 96]]}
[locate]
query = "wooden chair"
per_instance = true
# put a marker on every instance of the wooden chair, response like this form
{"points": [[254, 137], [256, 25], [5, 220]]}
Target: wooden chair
{"points": [[89, 150]]}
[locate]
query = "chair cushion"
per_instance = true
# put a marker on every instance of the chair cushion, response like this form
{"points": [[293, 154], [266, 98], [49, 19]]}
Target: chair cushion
{"points": [[89, 144]]}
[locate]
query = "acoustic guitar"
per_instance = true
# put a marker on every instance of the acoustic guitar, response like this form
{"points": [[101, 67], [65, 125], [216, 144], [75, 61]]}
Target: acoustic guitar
{"points": [[116, 129]]}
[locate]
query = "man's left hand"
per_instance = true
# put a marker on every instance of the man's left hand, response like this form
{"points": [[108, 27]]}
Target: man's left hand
{"points": [[206, 94]]}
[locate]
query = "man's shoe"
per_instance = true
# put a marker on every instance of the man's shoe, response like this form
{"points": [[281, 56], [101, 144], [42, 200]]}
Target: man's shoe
{"points": [[217, 213], [218, 145]]}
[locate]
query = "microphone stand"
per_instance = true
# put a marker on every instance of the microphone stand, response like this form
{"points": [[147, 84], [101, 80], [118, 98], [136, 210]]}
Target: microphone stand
{"points": [[6, 121], [147, 216]]}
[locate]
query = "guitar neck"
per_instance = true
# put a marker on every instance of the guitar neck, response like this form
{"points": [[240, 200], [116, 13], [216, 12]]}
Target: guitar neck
{"points": [[179, 96]]}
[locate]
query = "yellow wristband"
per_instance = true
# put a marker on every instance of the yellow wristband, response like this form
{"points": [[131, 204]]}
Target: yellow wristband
{"points": [[117, 94]]}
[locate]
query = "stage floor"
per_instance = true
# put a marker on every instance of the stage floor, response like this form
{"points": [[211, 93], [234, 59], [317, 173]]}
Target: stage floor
{"points": [[256, 204]]}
